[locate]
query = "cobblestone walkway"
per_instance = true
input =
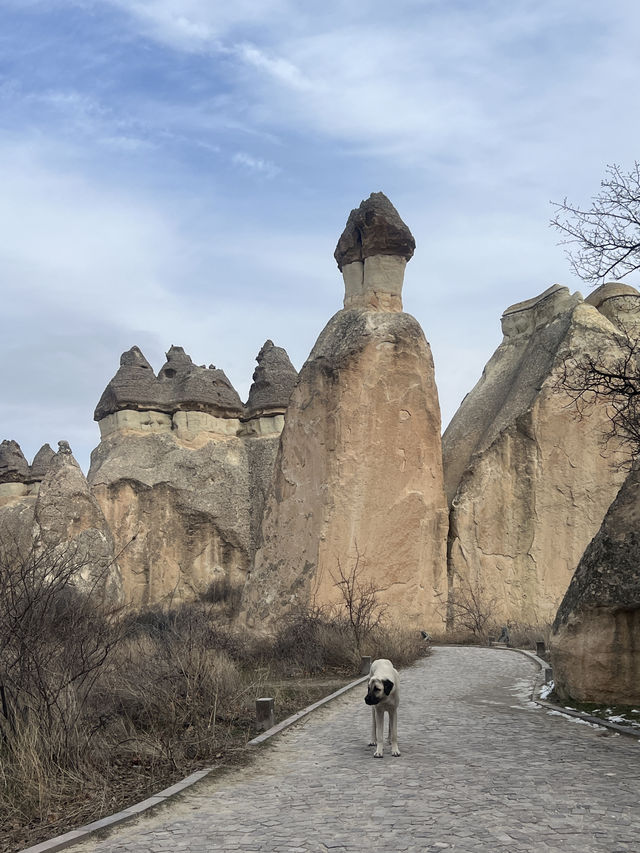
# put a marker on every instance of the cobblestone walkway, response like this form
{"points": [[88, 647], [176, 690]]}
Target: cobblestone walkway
{"points": [[481, 770]]}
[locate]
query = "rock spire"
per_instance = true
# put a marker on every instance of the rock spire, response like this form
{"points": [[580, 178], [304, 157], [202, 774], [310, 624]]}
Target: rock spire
{"points": [[372, 254], [358, 477], [273, 381]]}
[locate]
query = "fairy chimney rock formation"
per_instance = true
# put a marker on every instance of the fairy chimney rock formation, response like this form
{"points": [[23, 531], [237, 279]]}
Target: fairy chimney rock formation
{"points": [[372, 254], [183, 467], [184, 397], [595, 645], [273, 381], [528, 483], [358, 482], [41, 464]]}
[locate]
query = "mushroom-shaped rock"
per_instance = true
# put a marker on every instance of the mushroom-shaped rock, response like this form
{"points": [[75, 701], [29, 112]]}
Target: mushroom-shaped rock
{"points": [[14, 468], [372, 253], [273, 381], [193, 388], [359, 465], [41, 464], [133, 387]]}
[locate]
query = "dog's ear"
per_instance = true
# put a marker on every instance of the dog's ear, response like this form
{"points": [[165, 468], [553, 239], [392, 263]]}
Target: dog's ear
{"points": [[388, 686]]}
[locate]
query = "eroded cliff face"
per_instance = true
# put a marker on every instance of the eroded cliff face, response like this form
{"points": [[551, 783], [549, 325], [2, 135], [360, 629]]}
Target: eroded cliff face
{"points": [[67, 518], [359, 469], [54, 515], [595, 645], [182, 470], [527, 482]]}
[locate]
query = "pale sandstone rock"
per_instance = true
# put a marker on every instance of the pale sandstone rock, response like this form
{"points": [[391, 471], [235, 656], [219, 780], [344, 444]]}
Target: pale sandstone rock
{"points": [[67, 518], [181, 513], [595, 645], [125, 420], [528, 484], [359, 469]]}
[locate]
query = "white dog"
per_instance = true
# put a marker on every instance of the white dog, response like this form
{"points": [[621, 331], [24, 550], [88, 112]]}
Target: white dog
{"points": [[383, 695]]}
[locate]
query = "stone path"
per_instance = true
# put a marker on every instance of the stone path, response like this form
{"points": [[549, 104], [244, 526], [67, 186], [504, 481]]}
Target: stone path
{"points": [[482, 769]]}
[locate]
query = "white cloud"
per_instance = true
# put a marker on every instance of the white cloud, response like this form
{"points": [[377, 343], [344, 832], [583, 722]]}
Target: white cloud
{"points": [[194, 25], [255, 164], [280, 69]]}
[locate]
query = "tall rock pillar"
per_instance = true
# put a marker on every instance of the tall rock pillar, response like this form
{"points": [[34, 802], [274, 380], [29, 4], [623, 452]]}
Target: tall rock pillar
{"points": [[359, 470]]}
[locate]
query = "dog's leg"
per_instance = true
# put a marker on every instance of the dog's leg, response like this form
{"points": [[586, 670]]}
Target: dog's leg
{"points": [[379, 712], [372, 742], [393, 729]]}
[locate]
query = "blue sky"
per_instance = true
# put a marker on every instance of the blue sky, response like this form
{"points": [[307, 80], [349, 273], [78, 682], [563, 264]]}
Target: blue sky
{"points": [[179, 172]]}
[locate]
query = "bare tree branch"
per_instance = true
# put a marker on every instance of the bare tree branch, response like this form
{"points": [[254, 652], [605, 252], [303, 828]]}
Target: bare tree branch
{"points": [[606, 238]]}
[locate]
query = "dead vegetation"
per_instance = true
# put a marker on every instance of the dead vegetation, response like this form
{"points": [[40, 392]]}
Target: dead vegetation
{"points": [[99, 708]]}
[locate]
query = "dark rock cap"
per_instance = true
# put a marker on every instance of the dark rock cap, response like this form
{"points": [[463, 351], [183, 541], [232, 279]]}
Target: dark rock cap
{"points": [[133, 386], [180, 385], [14, 468], [41, 464], [273, 381], [374, 228], [190, 387]]}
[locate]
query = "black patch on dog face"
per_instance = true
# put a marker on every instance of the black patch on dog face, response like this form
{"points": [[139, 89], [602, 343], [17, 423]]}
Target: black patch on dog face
{"points": [[388, 686], [375, 693]]}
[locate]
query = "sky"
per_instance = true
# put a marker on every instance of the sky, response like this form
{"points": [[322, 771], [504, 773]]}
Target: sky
{"points": [[178, 172]]}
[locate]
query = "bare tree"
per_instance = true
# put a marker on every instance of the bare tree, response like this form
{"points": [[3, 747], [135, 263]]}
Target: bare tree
{"points": [[611, 376], [607, 236], [471, 607], [364, 609]]}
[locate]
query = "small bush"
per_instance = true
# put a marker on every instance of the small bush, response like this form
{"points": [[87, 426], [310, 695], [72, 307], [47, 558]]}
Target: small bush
{"points": [[310, 642], [223, 591]]}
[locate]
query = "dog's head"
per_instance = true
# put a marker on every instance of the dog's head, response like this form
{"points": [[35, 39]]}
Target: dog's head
{"points": [[378, 689]]}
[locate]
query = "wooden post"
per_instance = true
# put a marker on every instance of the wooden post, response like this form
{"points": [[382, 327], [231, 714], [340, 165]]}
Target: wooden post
{"points": [[265, 714], [548, 675], [365, 665], [540, 649]]}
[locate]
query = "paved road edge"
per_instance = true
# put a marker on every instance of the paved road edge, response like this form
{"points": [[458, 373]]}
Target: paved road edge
{"points": [[60, 842]]}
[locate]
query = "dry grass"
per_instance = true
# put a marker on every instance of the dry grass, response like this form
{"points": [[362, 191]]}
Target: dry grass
{"points": [[158, 695]]}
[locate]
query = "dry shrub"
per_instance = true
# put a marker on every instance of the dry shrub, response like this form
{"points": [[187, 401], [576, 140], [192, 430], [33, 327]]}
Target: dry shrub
{"points": [[310, 642], [56, 643], [400, 644], [317, 641], [223, 591], [526, 636]]}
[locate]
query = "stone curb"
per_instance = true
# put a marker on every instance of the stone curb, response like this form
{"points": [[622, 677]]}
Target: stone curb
{"points": [[571, 712], [300, 714], [80, 834]]}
